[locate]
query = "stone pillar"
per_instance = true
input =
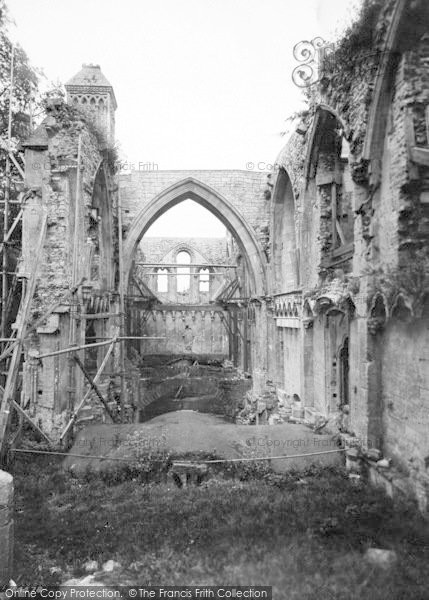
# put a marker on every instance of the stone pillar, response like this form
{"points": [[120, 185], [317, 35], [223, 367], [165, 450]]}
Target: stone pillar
{"points": [[6, 527], [260, 349]]}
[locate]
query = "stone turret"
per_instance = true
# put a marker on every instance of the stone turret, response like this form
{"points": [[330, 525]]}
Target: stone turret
{"points": [[91, 91]]}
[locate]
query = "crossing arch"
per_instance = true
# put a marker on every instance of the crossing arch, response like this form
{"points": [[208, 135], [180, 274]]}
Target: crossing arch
{"points": [[219, 206]]}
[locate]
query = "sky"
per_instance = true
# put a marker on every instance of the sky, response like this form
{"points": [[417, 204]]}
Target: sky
{"points": [[200, 84]]}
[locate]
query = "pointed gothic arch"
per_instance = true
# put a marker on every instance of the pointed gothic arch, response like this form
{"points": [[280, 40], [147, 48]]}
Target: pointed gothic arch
{"points": [[284, 251], [100, 233], [219, 206]]}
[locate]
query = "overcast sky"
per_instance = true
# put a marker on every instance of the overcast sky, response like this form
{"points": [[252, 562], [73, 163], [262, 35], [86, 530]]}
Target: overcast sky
{"points": [[200, 84]]}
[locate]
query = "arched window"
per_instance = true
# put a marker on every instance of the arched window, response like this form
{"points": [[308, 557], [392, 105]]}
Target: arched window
{"points": [[330, 169], [183, 272], [284, 248], [344, 372], [162, 280], [204, 280]]}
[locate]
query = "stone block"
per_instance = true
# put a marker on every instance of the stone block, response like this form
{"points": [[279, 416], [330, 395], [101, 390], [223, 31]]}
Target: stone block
{"points": [[297, 411], [6, 527], [6, 489], [380, 557], [312, 415]]}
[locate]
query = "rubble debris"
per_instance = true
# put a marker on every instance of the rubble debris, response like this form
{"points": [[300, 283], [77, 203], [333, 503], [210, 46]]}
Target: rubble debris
{"points": [[110, 566], [90, 566], [379, 557]]}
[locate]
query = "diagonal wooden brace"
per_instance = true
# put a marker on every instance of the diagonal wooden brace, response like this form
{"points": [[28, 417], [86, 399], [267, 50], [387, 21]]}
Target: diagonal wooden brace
{"points": [[95, 388]]}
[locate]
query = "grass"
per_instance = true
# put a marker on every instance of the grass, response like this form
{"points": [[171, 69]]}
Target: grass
{"points": [[304, 534]]}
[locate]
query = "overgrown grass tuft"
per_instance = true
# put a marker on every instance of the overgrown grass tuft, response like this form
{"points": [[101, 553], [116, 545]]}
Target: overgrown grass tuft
{"points": [[303, 533]]}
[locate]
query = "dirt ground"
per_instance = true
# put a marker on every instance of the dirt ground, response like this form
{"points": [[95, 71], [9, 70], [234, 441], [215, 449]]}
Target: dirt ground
{"points": [[187, 431]]}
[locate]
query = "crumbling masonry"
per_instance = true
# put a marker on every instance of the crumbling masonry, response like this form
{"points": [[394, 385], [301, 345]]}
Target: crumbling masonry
{"points": [[327, 295]]}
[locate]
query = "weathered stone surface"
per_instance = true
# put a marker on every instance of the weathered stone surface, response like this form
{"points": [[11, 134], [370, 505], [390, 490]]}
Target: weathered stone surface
{"points": [[6, 527]]}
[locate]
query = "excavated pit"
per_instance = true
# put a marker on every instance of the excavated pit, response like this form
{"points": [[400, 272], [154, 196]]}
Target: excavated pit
{"points": [[204, 384]]}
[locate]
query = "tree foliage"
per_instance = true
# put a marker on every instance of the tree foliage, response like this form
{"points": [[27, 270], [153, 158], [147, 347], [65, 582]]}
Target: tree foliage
{"points": [[25, 88], [24, 95]]}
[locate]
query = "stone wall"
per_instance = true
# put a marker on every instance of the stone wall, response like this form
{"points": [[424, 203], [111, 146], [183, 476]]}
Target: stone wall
{"points": [[196, 330], [289, 361], [243, 189], [201, 251], [405, 393], [68, 178], [156, 249], [6, 528], [360, 155], [186, 385]]}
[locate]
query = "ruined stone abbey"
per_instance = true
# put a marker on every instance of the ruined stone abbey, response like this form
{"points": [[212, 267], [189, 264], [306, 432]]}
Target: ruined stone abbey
{"points": [[318, 295]]}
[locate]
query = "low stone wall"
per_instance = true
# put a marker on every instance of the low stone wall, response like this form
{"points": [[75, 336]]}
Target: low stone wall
{"points": [[6, 527]]}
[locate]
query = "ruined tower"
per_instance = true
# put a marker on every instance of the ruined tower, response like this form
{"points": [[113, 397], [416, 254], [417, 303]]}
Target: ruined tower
{"points": [[91, 91]]}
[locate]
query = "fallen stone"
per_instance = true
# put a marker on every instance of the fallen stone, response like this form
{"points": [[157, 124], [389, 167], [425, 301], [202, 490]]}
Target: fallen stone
{"points": [[88, 580], [295, 420], [311, 415], [381, 558], [353, 453], [320, 424], [373, 454], [352, 510], [297, 412], [384, 463], [90, 566], [261, 406], [353, 462], [110, 566]]}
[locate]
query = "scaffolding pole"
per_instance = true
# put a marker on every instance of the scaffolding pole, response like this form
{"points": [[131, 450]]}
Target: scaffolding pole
{"points": [[88, 393], [72, 373], [202, 265], [22, 320], [121, 310]]}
